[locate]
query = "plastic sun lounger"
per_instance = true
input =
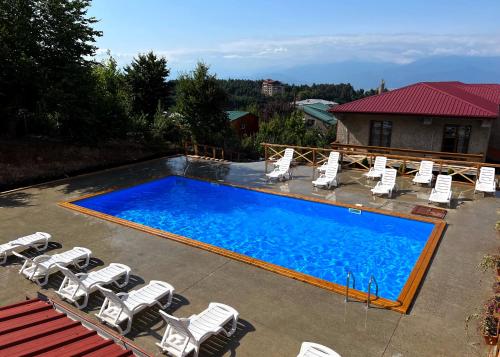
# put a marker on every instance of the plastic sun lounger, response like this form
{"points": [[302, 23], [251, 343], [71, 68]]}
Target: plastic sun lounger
{"points": [[329, 178], [39, 268], [332, 159], [486, 181], [309, 349], [387, 184], [185, 335], [81, 285], [281, 172], [424, 174], [38, 240], [121, 307], [287, 156], [441, 193], [378, 168]]}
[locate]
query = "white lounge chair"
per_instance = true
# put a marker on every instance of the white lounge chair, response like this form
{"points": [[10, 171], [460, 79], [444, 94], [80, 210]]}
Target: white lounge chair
{"points": [[38, 240], [332, 158], [287, 156], [378, 168], [329, 178], [280, 172], [424, 174], [121, 307], [81, 285], [39, 268], [441, 193], [486, 181], [185, 335], [309, 349], [387, 184]]}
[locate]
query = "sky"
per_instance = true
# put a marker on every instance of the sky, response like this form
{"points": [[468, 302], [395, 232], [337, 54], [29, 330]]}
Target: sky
{"points": [[244, 38]]}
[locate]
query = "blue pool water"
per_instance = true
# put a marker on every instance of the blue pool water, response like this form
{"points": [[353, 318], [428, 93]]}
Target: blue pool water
{"points": [[321, 240]]}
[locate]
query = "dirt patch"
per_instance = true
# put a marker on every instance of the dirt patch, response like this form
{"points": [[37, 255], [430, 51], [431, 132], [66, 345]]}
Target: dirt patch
{"points": [[32, 161]]}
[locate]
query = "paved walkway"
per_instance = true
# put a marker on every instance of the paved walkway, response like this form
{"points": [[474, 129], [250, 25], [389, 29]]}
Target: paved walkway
{"points": [[277, 313]]}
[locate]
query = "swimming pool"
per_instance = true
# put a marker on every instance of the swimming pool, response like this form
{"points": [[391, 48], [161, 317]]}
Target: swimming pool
{"points": [[315, 239]]}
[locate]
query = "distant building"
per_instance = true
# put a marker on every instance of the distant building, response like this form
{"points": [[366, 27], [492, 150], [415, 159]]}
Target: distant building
{"points": [[317, 115], [300, 103], [271, 87], [436, 116], [244, 123]]}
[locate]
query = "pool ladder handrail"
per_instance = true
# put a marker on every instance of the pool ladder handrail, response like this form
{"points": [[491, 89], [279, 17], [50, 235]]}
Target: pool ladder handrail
{"points": [[348, 278], [372, 281]]}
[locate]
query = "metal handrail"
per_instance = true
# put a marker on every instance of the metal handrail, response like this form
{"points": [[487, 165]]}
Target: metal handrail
{"points": [[348, 278], [372, 280]]}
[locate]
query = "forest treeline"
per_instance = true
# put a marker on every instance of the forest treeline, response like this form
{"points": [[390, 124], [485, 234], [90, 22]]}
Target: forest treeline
{"points": [[52, 86]]}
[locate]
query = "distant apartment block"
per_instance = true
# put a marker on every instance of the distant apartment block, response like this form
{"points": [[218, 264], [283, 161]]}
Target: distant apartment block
{"points": [[271, 87]]}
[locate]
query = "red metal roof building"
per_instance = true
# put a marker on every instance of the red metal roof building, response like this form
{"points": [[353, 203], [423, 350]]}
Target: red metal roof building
{"points": [[438, 116], [35, 328]]}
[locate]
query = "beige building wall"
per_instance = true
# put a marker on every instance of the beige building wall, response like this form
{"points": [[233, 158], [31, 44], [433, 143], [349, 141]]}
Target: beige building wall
{"points": [[410, 132]]}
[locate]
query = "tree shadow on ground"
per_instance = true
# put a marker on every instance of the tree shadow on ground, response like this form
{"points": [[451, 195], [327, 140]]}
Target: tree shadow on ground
{"points": [[16, 199]]}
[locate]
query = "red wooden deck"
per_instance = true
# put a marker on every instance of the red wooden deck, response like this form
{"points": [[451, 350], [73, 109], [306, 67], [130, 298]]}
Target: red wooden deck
{"points": [[35, 328]]}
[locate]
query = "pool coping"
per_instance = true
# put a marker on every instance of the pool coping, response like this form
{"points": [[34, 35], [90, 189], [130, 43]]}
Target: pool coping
{"points": [[405, 298]]}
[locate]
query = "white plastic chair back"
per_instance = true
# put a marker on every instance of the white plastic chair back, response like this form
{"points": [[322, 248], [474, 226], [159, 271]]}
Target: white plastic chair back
{"points": [[389, 177], [380, 163], [288, 154], [487, 175], [443, 184], [331, 171], [68, 274], [333, 157], [426, 168], [177, 334], [111, 296]]}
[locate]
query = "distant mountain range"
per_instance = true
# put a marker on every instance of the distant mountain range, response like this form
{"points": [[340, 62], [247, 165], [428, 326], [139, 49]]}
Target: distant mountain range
{"points": [[368, 74]]}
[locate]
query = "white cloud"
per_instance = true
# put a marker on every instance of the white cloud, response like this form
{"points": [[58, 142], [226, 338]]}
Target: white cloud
{"points": [[394, 48]]}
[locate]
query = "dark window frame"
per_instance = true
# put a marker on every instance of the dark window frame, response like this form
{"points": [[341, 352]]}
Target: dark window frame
{"points": [[465, 145], [380, 140]]}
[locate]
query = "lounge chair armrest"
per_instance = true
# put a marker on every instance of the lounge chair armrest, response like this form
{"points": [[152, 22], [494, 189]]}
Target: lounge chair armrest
{"points": [[81, 275], [19, 255], [122, 294], [41, 258]]}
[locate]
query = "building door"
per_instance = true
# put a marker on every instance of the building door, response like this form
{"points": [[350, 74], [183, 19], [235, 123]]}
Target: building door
{"points": [[380, 133], [456, 138]]}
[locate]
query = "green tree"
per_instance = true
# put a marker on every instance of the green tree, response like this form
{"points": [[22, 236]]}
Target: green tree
{"points": [[45, 46], [146, 76], [201, 102], [112, 102]]}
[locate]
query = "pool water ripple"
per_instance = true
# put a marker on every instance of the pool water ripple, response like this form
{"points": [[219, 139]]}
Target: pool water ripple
{"points": [[321, 240]]}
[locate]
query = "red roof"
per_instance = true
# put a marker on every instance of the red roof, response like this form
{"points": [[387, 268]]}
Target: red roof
{"points": [[449, 99], [35, 328]]}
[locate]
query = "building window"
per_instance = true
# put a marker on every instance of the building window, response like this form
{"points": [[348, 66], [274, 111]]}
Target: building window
{"points": [[456, 138], [380, 133], [242, 127]]}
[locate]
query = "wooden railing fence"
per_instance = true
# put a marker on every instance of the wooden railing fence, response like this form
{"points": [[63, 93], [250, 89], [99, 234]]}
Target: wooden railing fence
{"points": [[350, 158]]}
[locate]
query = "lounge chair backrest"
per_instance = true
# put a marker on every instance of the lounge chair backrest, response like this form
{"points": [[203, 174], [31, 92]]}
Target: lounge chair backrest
{"points": [[284, 166], [380, 163], [426, 168], [111, 296], [288, 153], [443, 184], [487, 175], [333, 157], [389, 177], [331, 170], [68, 273], [180, 325]]}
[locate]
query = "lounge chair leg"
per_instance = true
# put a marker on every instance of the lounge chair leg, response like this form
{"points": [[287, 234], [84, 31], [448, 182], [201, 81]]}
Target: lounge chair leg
{"points": [[4, 258]]}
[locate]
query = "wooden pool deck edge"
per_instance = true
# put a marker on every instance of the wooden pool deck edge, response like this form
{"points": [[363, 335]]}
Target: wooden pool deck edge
{"points": [[404, 300]]}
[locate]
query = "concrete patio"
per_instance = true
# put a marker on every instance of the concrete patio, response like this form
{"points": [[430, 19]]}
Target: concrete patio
{"points": [[277, 313]]}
